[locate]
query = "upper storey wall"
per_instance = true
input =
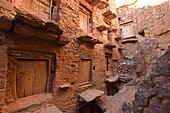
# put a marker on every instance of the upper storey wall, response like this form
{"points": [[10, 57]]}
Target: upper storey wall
{"points": [[153, 21], [38, 8]]}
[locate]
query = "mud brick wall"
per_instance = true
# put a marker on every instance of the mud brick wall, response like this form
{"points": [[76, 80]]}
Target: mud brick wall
{"points": [[69, 56], [3, 72], [39, 8]]}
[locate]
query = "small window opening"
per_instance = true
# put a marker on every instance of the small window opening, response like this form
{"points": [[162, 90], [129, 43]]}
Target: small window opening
{"points": [[112, 88], [108, 61], [52, 7], [119, 19], [86, 20], [90, 107], [142, 33], [54, 12], [109, 34]]}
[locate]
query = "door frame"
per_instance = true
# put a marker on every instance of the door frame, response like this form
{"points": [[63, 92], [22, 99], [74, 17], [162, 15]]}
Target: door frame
{"points": [[90, 74], [23, 59], [15, 55]]}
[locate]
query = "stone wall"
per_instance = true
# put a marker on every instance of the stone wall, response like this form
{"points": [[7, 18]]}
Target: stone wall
{"points": [[149, 24], [39, 8], [3, 73], [151, 20], [69, 56], [150, 55], [153, 92]]}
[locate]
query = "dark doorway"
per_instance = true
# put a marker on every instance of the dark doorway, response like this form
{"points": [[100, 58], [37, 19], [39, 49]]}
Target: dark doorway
{"points": [[90, 107], [112, 88]]}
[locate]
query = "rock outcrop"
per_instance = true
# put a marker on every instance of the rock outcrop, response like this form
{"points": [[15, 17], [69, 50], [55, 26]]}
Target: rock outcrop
{"points": [[153, 95]]}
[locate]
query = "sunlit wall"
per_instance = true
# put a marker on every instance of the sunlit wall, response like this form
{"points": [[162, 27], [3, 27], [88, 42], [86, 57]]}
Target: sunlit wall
{"points": [[139, 3]]}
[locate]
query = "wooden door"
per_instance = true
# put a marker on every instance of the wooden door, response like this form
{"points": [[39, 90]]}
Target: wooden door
{"points": [[83, 22], [31, 77], [85, 67]]}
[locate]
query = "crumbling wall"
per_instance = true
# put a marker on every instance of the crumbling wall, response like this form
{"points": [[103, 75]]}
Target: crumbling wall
{"points": [[151, 20], [150, 57], [151, 32], [153, 92]]}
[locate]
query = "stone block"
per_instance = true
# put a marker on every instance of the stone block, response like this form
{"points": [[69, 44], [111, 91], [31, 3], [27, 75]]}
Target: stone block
{"points": [[90, 95], [24, 29], [29, 19], [5, 23], [63, 40], [51, 109], [53, 26]]}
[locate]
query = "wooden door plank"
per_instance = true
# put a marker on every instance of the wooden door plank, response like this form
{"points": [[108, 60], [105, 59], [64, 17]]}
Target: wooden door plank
{"points": [[31, 77], [35, 84], [43, 76], [28, 77], [84, 71], [20, 80], [87, 65]]}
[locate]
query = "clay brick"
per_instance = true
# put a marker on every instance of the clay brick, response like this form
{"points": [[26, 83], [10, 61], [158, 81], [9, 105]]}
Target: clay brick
{"points": [[3, 49]]}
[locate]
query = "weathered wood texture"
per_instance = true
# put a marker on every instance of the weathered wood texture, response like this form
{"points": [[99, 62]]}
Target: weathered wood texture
{"points": [[31, 77], [84, 76]]}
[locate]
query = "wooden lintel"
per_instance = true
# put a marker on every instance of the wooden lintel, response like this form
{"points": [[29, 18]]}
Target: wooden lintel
{"points": [[111, 16], [129, 40], [118, 38], [103, 4], [96, 41], [52, 26], [94, 2], [24, 29], [108, 12], [86, 5], [66, 85], [126, 22], [28, 19], [63, 40], [102, 28], [110, 46], [86, 38]]}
